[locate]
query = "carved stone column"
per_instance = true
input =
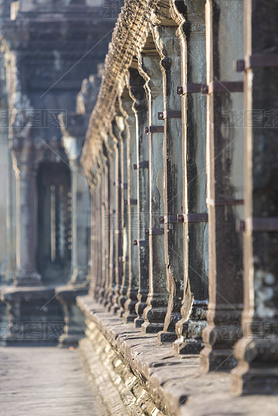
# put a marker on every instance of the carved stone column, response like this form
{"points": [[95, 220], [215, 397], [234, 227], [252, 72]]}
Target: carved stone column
{"points": [[105, 224], [25, 164], [119, 201], [191, 34], [97, 265], [225, 184], [123, 240], [131, 206], [142, 220], [80, 211], [101, 241], [169, 50], [110, 223], [155, 311], [257, 351], [93, 240], [11, 222]]}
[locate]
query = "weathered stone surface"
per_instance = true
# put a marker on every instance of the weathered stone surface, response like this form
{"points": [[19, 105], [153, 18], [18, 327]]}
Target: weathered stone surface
{"points": [[225, 186], [101, 377], [147, 374], [39, 381], [257, 351]]}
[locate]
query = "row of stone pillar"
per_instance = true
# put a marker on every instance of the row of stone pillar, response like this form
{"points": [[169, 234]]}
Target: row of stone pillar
{"points": [[172, 180]]}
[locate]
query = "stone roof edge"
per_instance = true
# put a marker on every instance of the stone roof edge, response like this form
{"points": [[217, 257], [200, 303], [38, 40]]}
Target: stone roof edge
{"points": [[129, 34]]}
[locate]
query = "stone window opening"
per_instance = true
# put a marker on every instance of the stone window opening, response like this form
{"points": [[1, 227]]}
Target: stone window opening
{"points": [[54, 221]]}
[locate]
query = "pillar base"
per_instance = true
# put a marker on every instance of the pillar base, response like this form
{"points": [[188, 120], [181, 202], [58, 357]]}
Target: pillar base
{"points": [[189, 332], [257, 369], [164, 337], [151, 328], [154, 319], [138, 322], [247, 380], [109, 300], [188, 346], [114, 308], [219, 337], [216, 360], [115, 301], [139, 308], [101, 296], [130, 313], [122, 301]]}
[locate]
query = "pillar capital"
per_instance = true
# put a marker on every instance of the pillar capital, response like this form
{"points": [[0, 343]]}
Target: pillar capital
{"points": [[73, 128], [149, 68]]}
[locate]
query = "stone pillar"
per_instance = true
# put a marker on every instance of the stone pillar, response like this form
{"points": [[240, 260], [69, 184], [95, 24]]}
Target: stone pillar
{"points": [[131, 206], [7, 255], [142, 221], [169, 50], [25, 165], [225, 184], [105, 225], [257, 351], [124, 259], [155, 311], [118, 189], [92, 183], [11, 221], [80, 212], [111, 145], [100, 253], [191, 34], [97, 265]]}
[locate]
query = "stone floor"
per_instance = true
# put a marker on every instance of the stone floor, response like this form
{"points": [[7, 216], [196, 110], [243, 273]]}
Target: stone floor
{"points": [[46, 381]]}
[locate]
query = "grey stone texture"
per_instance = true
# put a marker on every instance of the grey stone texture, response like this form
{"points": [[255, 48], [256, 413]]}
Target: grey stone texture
{"points": [[41, 381], [151, 379]]}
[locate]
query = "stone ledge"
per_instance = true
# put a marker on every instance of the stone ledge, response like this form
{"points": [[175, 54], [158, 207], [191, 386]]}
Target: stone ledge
{"points": [[69, 293], [34, 315], [172, 381], [112, 394], [28, 293]]}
